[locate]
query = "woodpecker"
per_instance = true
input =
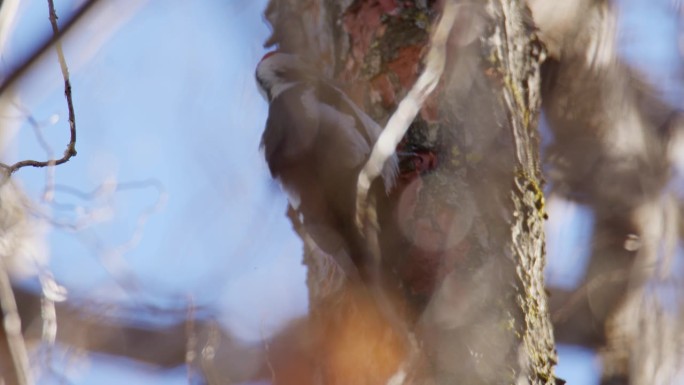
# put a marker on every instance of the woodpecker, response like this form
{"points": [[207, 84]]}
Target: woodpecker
{"points": [[315, 142]]}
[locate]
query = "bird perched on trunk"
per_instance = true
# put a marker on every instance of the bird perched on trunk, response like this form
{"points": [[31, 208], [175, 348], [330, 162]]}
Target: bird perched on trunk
{"points": [[315, 142]]}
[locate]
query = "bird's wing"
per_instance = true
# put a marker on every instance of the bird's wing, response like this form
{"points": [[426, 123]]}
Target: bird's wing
{"points": [[291, 130]]}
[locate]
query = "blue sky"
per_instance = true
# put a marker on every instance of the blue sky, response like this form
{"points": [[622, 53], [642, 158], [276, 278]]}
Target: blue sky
{"points": [[164, 91], [169, 94]]}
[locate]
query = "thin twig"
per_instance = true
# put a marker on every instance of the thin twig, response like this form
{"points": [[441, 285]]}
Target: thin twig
{"points": [[71, 146], [48, 192], [21, 69], [111, 257], [12, 321]]}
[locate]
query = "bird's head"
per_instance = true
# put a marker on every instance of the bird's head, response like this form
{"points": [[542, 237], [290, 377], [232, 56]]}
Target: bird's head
{"points": [[278, 71]]}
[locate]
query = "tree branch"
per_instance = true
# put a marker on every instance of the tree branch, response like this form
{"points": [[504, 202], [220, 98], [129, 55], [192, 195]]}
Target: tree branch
{"points": [[17, 74]]}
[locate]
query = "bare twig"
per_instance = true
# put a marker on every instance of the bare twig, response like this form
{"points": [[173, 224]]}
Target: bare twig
{"points": [[109, 256], [48, 192], [12, 321], [71, 146], [21, 69], [103, 191], [409, 107]]}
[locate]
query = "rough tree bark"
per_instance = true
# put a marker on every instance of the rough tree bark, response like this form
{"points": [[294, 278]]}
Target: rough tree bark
{"points": [[464, 239]]}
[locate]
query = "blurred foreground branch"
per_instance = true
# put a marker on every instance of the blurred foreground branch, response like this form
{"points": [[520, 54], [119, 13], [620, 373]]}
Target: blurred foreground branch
{"points": [[12, 330], [91, 328]]}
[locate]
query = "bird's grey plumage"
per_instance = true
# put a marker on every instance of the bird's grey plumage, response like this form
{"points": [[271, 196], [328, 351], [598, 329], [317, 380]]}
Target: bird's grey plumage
{"points": [[315, 142]]}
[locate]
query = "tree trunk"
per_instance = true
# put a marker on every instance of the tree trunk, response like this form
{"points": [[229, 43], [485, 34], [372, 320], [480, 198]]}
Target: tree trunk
{"points": [[463, 238]]}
